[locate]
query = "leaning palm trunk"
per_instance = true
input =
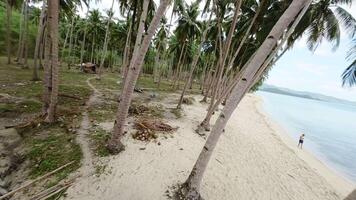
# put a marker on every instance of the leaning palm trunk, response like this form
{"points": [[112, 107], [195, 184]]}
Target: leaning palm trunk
{"points": [[8, 31], [194, 64], [126, 49], [140, 30], [193, 182], [105, 48], [53, 10], [35, 76], [115, 144], [222, 60]]}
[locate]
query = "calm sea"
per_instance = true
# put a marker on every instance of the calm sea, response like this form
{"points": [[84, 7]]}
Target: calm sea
{"points": [[330, 128]]}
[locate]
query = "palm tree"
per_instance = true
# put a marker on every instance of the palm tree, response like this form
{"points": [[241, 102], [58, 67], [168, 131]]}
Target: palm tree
{"points": [[10, 4], [39, 37], [105, 47], [349, 75], [192, 185], [115, 144], [53, 20]]}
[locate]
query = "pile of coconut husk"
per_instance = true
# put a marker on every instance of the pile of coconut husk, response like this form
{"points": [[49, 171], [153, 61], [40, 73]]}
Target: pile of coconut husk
{"points": [[147, 128], [188, 100], [136, 109]]}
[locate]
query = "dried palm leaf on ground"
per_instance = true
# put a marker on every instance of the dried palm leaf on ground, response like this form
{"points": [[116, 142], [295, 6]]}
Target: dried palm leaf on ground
{"points": [[146, 129]]}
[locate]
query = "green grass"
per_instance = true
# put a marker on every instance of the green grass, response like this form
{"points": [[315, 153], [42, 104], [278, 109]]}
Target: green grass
{"points": [[50, 151], [99, 138], [177, 112], [27, 106], [104, 112]]}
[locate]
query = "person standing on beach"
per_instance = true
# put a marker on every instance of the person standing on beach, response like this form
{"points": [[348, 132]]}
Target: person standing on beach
{"points": [[301, 140]]}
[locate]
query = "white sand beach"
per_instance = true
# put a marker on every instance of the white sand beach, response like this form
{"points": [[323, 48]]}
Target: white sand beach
{"points": [[254, 159]]}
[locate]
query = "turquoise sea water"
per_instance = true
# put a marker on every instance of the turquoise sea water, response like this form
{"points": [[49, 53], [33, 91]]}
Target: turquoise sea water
{"points": [[330, 128]]}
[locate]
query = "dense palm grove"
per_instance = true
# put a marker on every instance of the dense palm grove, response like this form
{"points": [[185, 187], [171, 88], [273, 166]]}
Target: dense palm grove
{"points": [[225, 46]]}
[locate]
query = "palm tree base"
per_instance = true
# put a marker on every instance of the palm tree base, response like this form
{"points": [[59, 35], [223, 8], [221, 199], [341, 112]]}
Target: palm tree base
{"points": [[185, 192], [114, 147]]}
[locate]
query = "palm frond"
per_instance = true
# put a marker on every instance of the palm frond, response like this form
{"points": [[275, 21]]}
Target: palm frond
{"points": [[349, 75], [348, 21]]}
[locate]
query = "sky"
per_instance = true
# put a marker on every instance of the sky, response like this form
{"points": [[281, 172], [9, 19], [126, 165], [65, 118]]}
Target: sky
{"points": [[299, 68]]}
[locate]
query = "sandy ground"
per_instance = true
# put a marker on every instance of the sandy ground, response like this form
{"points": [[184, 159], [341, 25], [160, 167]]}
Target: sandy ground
{"points": [[253, 160]]}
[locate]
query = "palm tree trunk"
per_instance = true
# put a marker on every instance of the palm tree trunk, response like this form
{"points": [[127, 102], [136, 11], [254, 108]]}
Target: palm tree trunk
{"points": [[156, 66], [53, 10], [221, 62], [127, 47], [105, 48], [18, 55], [92, 49], [70, 43], [22, 59], [8, 30], [47, 80], [84, 39], [176, 77], [66, 39], [194, 180], [35, 76], [115, 144], [194, 64]]}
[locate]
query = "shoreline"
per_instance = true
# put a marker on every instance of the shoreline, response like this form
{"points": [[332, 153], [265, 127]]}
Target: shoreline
{"points": [[250, 161], [343, 185]]}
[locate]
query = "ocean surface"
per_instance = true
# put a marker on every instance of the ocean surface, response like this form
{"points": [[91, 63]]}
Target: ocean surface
{"points": [[329, 128]]}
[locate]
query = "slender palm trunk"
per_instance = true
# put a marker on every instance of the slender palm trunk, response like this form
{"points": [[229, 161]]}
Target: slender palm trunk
{"points": [[8, 30], [70, 43], [18, 55], [53, 10], [156, 66], [127, 48], [35, 76], [92, 49], [115, 144], [84, 39], [105, 48], [66, 39], [195, 178], [194, 64], [222, 60], [23, 49], [176, 76]]}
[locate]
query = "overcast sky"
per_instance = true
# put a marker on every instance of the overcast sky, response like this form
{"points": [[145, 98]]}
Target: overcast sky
{"points": [[298, 69]]}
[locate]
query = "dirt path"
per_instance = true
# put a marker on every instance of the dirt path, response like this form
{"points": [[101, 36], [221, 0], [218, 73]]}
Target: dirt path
{"points": [[82, 139]]}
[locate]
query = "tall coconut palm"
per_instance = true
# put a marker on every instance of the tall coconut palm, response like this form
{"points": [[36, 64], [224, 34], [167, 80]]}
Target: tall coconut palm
{"points": [[105, 47], [10, 4], [115, 144], [192, 185], [53, 20], [39, 38]]}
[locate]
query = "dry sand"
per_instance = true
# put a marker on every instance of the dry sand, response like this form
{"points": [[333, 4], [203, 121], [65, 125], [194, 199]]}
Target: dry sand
{"points": [[253, 160]]}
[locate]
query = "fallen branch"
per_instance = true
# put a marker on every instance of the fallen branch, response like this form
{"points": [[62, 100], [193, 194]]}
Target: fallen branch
{"points": [[50, 190], [36, 180], [31, 123], [56, 192]]}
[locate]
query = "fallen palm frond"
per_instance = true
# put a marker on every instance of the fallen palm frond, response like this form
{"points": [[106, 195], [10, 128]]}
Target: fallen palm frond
{"points": [[146, 129]]}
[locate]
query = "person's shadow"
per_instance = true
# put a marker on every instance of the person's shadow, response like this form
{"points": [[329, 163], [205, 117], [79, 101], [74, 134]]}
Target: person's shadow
{"points": [[351, 196]]}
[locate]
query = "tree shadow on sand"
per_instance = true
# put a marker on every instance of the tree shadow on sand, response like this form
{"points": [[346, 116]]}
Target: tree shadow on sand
{"points": [[351, 196]]}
